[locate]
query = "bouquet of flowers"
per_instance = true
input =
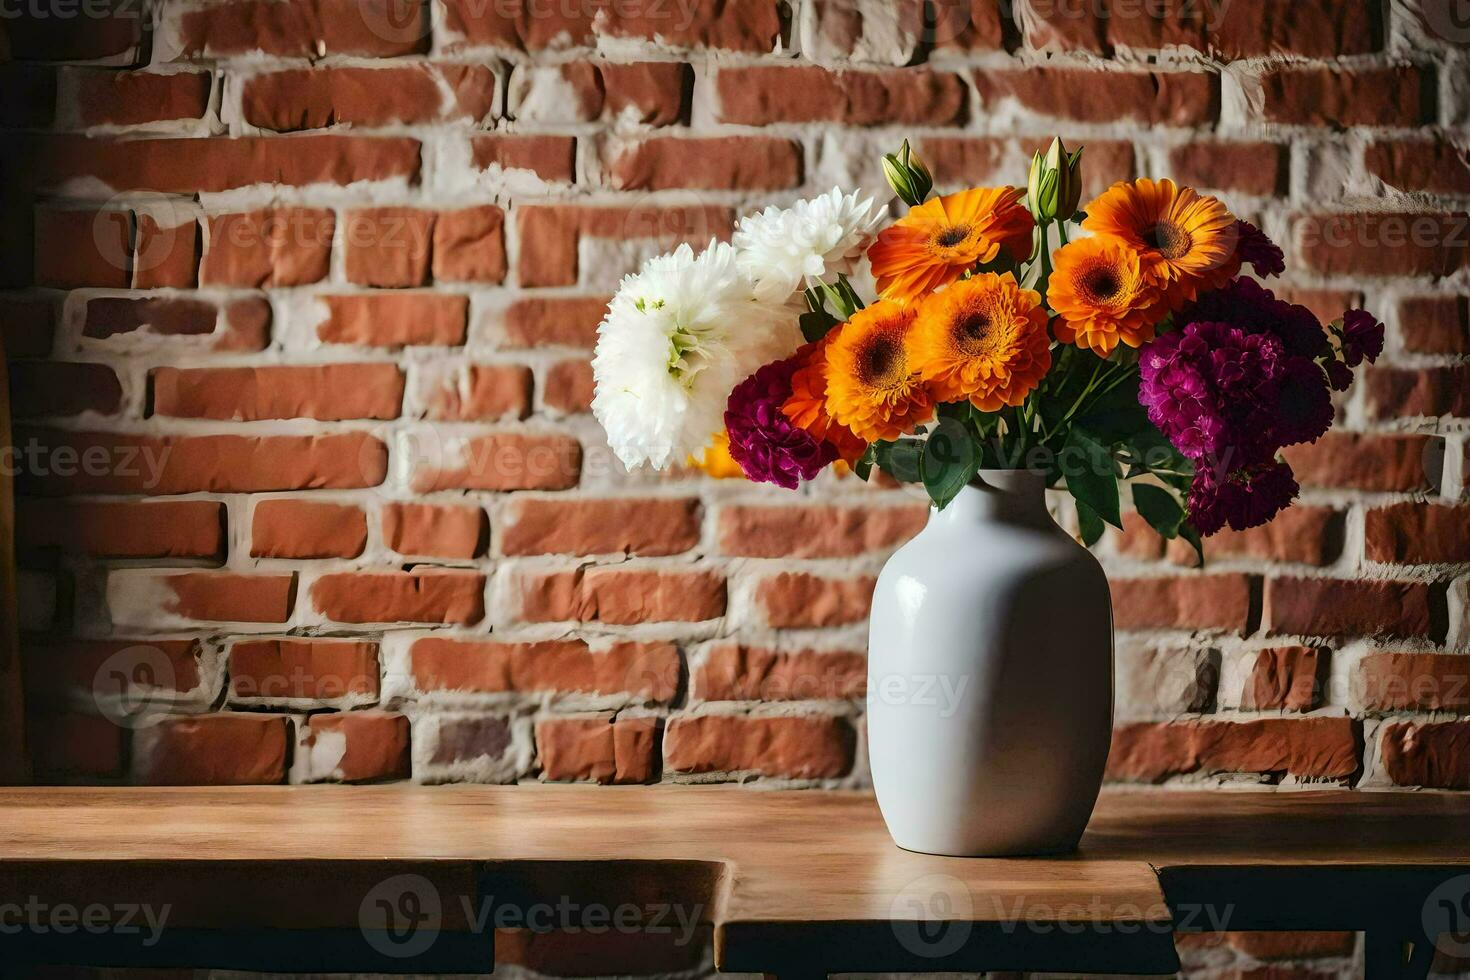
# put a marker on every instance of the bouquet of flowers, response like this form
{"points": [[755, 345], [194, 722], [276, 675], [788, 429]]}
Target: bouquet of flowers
{"points": [[1134, 351]]}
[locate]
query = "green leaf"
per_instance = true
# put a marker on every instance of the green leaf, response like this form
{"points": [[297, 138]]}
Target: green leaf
{"points": [[814, 325], [863, 468], [1158, 506], [1188, 533], [899, 459], [1089, 524], [949, 462], [1088, 468], [1115, 415]]}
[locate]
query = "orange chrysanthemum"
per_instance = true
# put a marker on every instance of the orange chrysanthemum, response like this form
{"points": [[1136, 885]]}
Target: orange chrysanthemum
{"points": [[1185, 241], [1101, 296], [936, 242], [872, 387], [983, 338], [807, 406]]}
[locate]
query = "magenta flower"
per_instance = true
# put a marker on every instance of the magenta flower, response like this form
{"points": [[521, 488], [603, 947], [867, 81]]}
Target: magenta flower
{"points": [[763, 441], [1242, 497], [1258, 251], [1249, 306], [1362, 337]]}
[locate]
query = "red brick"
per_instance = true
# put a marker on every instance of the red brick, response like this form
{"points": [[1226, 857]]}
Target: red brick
{"points": [[395, 320], [1246, 168], [549, 234], [469, 245], [823, 531], [802, 747], [1383, 243], [108, 316], [388, 246], [212, 750], [312, 669], [1241, 29], [1291, 945], [75, 249], [1314, 748], [797, 599], [419, 596], [51, 389], [1436, 756], [1435, 324], [1414, 682], [641, 526], [622, 750], [270, 247], [731, 672], [227, 597], [1137, 540], [307, 529], [1418, 534], [67, 744], [759, 96], [717, 163], [61, 669], [110, 529], [1399, 392], [188, 166], [965, 25], [27, 325], [1180, 98], [1286, 678], [312, 98], [753, 27], [477, 392], [503, 461], [554, 321], [1191, 602], [357, 746], [622, 597], [1335, 607], [650, 93], [552, 158], [1320, 96], [466, 739], [162, 465], [1433, 165], [569, 387], [1358, 461], [642, 671], [307, 28], [166, 254], [328, 392], [966, 160], [247, 325], [435, 531], [1309, 535], [126, 98]]}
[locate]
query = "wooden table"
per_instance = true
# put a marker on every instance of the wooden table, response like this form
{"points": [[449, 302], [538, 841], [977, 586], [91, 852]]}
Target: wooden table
{"points": [[415, 879]]}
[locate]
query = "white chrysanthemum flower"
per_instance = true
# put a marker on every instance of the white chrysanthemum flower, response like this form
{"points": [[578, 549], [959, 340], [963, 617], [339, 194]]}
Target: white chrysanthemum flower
{"points": [[678, 336], [782, 251]]}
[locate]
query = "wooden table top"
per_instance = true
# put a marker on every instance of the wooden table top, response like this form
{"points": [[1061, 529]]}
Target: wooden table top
{"points": [[761, 866]]}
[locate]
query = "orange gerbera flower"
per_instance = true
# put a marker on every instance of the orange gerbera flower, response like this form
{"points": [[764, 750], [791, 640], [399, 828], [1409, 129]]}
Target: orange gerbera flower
{"points": [[807, 406], [936, 242], [1101, 296], [983, 338], [872, 387], [1185, 240], [715, 459]]}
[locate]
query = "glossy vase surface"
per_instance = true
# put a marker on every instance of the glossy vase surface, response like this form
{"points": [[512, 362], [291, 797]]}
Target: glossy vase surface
{"points": [[990, 677]]}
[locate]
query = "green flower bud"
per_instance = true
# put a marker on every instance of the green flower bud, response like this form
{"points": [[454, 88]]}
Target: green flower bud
{"points": [[1054, 186], [907, 175]]}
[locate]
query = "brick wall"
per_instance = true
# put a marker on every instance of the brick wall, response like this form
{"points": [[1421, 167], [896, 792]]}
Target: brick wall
{"points": [[303, 297]]}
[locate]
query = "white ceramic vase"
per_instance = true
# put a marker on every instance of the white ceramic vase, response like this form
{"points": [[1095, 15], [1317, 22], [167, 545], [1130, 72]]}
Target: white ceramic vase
{"points": [[990, 677]]}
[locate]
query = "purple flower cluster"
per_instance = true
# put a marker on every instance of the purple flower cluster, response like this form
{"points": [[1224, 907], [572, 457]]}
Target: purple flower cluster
{"points": [[1235, 383], [763, 441]]}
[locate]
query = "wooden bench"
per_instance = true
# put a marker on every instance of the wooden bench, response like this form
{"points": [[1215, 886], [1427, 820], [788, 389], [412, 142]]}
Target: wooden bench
{"points": [[791, 883]]}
